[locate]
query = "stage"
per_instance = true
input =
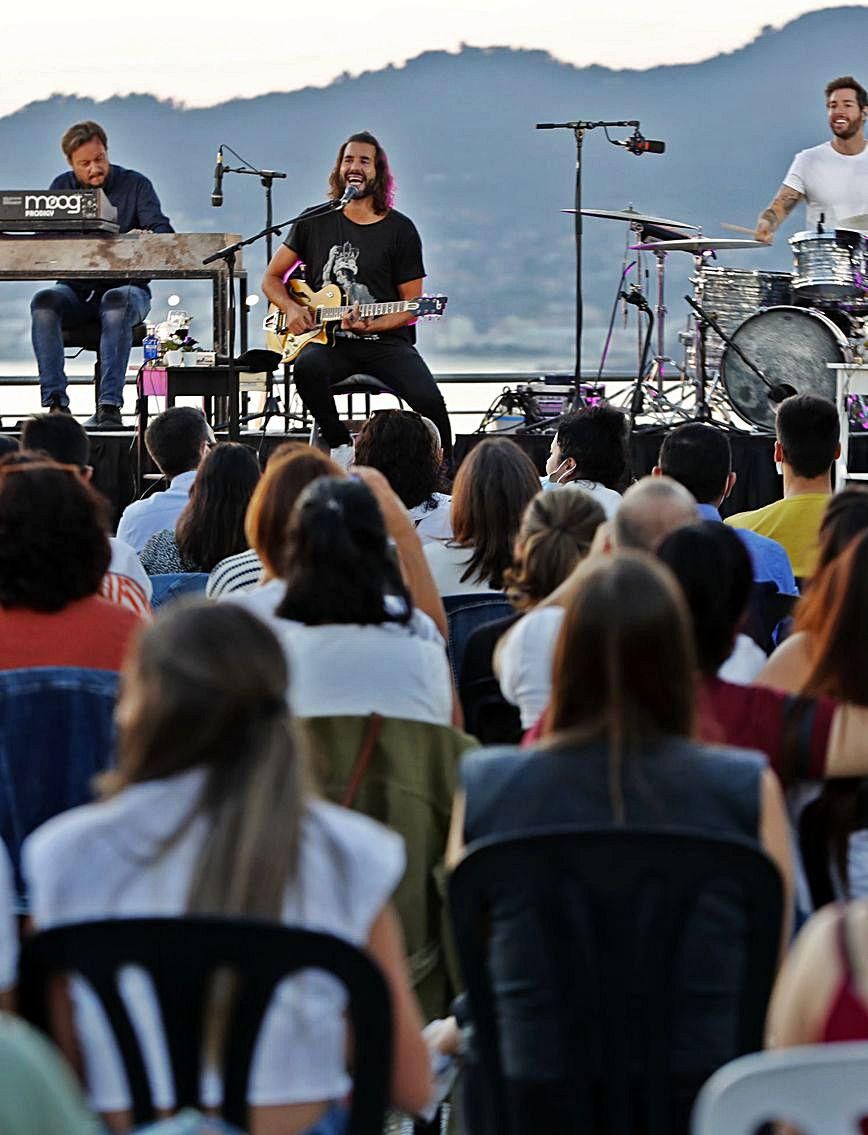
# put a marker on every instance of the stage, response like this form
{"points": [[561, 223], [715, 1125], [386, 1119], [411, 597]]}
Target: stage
{"points": [[113, 456]]}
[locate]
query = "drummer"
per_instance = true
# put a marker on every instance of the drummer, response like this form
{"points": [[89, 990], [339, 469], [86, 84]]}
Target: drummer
{"points": [[831, 178]]}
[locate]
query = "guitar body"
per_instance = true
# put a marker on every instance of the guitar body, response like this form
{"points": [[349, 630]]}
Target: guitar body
{"points": [[329, 307], [277, 338]]}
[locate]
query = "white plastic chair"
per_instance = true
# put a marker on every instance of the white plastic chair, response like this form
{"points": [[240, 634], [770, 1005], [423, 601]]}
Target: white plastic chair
{"points": [[822, 1089]]}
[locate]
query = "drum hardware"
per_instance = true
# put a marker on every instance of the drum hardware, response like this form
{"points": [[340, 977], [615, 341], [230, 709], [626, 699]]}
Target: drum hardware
{"points": [[792, 347], [775, 391]]}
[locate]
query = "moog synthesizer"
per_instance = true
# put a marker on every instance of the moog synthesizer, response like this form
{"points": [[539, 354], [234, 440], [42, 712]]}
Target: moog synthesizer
{"points": [[73, 210]]}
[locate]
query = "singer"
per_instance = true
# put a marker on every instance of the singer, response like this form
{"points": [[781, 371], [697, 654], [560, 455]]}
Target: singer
{"points": [[831, 178], [374, 254], [117, 306]]}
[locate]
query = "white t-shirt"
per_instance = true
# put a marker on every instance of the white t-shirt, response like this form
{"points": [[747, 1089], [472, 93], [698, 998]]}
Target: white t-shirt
{"points": [[103, 861], [607, 498], [343, 669], [433, 523], [125, 561], [447, 563], [526, 656], [834, 184]]}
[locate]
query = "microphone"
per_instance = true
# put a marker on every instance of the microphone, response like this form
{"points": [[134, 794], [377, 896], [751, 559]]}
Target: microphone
{"points": [[638, 145], [635, 297], [217, 191], [350, 194]]}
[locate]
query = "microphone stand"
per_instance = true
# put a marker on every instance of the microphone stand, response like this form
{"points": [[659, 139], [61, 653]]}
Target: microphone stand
{"points": [[267, 178], [228, 254], [579, 130]]}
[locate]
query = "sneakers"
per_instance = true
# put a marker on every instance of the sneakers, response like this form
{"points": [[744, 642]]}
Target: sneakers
{"points": [[343, 455], [106, 418], [57, 407]]}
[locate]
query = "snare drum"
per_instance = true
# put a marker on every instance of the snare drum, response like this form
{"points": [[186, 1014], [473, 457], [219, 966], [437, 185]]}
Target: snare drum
{"points": [[730, 295], [829, 266], [791, 345]]}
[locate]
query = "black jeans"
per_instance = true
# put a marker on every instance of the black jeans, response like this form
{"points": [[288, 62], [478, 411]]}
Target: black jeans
{"points": [[394, 361]]}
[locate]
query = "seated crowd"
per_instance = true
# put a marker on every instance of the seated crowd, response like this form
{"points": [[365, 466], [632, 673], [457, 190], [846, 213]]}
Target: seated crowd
{"points": [[291, 743]]}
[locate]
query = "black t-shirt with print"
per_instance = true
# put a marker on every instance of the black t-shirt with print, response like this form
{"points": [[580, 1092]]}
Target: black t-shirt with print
{"points": [[367, 262]]}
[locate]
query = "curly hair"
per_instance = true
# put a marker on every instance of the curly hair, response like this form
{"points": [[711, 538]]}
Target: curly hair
{"points": [[494, 485], [596, 439], [54, 545], [401, 446], [383, 191], [556, 531], [211, 527]]}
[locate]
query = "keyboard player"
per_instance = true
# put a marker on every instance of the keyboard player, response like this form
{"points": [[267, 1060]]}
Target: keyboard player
{"points": [[117, 305]]}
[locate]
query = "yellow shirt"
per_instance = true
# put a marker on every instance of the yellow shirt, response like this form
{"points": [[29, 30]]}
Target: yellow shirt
{"points": [[794, 522]]}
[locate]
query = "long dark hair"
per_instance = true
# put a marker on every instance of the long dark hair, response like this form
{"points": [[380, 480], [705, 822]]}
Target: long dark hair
{"points": [[211, 527], [339, 568], [624, 663], [494, 485], [400, 445], [205, 687], [383, 191]]}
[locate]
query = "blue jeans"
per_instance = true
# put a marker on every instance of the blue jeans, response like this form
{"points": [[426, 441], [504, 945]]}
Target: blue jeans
{"points": [[118, 310]]}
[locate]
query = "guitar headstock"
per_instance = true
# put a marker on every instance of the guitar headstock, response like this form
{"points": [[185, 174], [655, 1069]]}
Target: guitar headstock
{"points": [[430, 307]]}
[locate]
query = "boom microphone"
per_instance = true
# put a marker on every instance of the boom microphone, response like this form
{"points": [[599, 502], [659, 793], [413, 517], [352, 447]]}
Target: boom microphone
{"points": [[217, 191], [638, 145]]}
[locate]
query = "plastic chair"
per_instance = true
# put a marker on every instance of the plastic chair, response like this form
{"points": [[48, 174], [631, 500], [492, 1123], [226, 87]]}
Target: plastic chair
{"points": [[182, 955], [487, 713], [575, 1019], [56, 733], [172, 585], [86, 337], [821, 1088], [467, 612]]}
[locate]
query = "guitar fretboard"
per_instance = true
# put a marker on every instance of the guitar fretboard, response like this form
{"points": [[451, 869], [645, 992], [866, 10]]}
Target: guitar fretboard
{"points": [[366, 310]]}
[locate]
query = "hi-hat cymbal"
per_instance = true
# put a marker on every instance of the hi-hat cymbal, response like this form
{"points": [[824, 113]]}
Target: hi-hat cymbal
{"points": [[631, 215], [697, 244], [859, 223]]}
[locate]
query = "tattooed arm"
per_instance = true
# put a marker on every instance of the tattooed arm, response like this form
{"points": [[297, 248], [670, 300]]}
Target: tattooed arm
{"points": [[769, 219]]}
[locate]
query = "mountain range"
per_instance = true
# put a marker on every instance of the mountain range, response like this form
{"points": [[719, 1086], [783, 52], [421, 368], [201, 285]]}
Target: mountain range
{"points": [[484, 187]]}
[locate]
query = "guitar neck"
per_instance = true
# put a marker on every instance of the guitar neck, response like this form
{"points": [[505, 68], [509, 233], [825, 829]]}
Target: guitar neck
{"points": [[366, 310]]}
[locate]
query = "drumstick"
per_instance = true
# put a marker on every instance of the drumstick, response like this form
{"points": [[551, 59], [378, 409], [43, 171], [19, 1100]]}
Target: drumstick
{"points": [[737, 229]]}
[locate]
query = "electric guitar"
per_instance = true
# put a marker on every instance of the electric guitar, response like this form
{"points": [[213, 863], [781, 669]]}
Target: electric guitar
{"points": [[329, 308]]}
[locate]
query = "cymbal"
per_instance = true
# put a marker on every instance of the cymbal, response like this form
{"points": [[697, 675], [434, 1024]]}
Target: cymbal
{"points": [[632, 216], [697, 244], [859, 223]]}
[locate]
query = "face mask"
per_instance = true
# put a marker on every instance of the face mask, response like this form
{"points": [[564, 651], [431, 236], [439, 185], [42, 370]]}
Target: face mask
{"points": [[779, 468]]}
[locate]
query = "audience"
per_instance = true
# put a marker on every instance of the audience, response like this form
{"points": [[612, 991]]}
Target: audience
{"points": [[590, 450], [492, 488], [618, 751], [698, 456], [649, 509], [7, 445], [355, 642], [54, 552], [807, 445], [63, 439], [177, 440], [400, 443], [211, 524], [291, 468], [211, 786]]}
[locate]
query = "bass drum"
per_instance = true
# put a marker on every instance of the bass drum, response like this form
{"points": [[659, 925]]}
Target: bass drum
{"points": [[791, 345]]}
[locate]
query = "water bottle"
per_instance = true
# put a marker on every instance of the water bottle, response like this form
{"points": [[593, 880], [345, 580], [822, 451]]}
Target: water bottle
{"points": [[151, 346]]}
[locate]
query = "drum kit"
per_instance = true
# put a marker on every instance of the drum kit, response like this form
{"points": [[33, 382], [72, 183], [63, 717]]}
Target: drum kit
{"points": [[753, 337]]}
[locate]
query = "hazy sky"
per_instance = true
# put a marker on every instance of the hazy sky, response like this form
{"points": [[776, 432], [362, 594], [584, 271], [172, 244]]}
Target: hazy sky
{"points": [[204, 51]]}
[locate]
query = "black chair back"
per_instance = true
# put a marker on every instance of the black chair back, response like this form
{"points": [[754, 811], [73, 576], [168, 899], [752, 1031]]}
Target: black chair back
{"points": [[182, 956], [487, 714], [574, 1019], [464, 614]]}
